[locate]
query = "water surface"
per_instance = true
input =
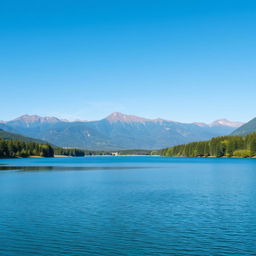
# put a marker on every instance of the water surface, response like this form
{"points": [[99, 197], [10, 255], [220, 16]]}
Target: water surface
{"points": [[127, 206]]}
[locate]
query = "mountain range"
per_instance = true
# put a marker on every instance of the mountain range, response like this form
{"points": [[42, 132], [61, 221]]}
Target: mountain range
{"points": [[116, 131]]}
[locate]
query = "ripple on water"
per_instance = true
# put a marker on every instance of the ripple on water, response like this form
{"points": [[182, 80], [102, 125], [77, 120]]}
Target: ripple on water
{"points": [[130, 207]]}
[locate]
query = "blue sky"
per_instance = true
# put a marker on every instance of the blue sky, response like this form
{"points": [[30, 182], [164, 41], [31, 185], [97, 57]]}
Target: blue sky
{"points": [[180, 60]]}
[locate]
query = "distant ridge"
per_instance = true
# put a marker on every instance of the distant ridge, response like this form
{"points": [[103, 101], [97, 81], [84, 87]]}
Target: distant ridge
{"points": [[245, 129], [13, 136], [119, 117], [225, 122], [36, 118], [117, 131]]}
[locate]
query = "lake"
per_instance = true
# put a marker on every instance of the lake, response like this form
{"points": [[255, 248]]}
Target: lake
{"points": [[110, 206]]}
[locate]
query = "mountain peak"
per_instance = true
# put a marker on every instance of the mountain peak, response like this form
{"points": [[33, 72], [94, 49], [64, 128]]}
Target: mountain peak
{"points": [[225, 122], [120, 117], [35, 118], [201, 124]]}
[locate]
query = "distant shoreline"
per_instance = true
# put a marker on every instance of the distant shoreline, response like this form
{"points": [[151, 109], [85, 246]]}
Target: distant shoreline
{"points": [[61, 156]]}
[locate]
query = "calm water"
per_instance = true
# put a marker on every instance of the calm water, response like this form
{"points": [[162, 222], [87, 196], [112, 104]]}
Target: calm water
{"points": [[127, 206]]}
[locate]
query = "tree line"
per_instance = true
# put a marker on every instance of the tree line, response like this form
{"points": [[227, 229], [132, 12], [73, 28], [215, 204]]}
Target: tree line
{"points": [[17, 148], [69, 151], [225, 146], [20, 148]]}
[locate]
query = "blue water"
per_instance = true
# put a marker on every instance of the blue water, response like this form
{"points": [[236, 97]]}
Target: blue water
{"points": [[127, 206]]}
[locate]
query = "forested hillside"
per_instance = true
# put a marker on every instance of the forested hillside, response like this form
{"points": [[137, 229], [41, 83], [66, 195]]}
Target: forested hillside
{"points": [[225, 146], [245, 129], [14, 136], [17, 148]]}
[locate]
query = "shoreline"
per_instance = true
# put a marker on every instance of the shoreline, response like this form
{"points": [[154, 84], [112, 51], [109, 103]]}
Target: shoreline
{"points": [[222, 157], [61, 156]]}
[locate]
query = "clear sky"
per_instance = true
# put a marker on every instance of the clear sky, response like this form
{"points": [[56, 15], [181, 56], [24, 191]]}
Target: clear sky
{"points": [[184, 60]]}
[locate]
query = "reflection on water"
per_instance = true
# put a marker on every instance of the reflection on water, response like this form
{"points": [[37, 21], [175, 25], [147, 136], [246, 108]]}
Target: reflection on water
{"points": [[69, 168]]}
